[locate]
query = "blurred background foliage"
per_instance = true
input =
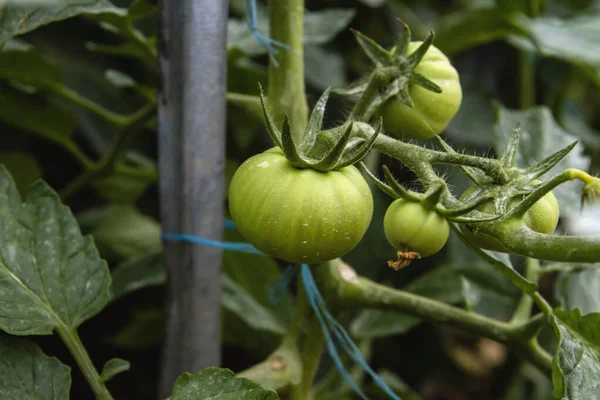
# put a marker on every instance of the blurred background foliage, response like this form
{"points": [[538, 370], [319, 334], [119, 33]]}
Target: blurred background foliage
{"points": [[534, 62]]}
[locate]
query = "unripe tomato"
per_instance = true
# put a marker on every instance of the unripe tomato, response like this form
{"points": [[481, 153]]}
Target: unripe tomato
{"points": [[409, 226], [431, 112], [542, 217], [299, 215]]}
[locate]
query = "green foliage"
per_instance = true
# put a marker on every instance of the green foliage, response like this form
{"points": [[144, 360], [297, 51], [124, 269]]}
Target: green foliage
{"points": [[26, 372], [218, 382], [78, 93]]}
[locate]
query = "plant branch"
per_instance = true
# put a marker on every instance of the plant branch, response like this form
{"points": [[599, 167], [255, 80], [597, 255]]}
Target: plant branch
{"points": [[286, 92], [134, 124], [523, 310], [71, 96], [347, 289], [77, 349]]}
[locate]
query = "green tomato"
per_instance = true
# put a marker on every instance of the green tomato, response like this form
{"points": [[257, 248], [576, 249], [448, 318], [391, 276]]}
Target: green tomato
{"points": [[432, 112], [299, 215], [409, 226], [542, 217]]}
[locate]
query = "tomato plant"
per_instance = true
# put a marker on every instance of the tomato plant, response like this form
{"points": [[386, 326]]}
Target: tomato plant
{"points": [[542, 217], [431, 112], [410, 226], [299, 215]]}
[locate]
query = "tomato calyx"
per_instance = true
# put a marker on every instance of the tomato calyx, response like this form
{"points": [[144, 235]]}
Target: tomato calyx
{"points": [[310, 153], [393, 75]]}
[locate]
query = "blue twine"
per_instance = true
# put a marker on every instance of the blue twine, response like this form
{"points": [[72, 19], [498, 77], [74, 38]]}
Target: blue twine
{"points": [[267, 42], [326, 320]]}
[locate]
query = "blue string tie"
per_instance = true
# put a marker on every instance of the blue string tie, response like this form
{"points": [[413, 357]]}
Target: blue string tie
{"points": [[332, 329], [267, 42]]}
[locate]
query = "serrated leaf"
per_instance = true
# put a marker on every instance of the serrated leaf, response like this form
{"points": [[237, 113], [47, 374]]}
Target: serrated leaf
{"points": [[541, 136], [36, 115], [324, 67], [50, 275], [576, 363], [23, 167], [27, 373], [211, 383], [113, 367], [579, 290], [123, 188], [18, 17], [126, 233]]}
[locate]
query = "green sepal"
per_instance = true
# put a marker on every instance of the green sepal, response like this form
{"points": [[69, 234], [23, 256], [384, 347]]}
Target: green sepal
{"points": [[315, 122], [379, 183], [330, 161], [404, 97], [398, 188], [415, 57], [402, 44], [271, 127], [434, 193], [549, 162], [418, 79], [509, 156], [377, 54], [353, 157], [289, 146]]}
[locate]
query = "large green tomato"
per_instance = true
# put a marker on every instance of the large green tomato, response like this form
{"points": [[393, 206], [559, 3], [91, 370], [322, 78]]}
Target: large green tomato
{"points": [[431, 112], [409, 226], [542, 217], [299, 215]]}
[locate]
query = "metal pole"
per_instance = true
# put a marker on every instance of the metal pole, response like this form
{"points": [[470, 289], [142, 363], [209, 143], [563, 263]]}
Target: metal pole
{"points": [[192, 48]]}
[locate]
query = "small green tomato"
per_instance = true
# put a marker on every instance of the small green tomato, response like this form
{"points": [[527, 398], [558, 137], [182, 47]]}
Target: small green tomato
{"points": [[542, 217], [409, 226], [431, 112], [299, 215]]}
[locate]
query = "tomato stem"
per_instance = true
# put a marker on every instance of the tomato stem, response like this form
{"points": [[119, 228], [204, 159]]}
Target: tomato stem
{"points": [[286, 82]]}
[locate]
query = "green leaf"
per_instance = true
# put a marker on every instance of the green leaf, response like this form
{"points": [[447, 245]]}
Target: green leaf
{"points": [[242, 304], [468, 28], [221, 383], [23, 167], [50, 275], [36, 115], [324, 67], [27, 373], [579, 290], [574, 40], [576, 363], [256, 274], [113, 367], [373, 324], [138, 272], [123, 188], [126, 233], [541, 136], [18, 17], [26, 65]]}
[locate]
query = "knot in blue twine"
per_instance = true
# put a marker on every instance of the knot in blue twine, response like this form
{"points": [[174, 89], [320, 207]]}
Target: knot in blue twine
{"points": [[267, 42], [333, 331]]}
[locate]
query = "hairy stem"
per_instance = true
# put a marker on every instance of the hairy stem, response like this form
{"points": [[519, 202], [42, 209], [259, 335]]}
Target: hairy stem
{"points": [[77, 349], [346, 289], [286, 94], [523, 310]]}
